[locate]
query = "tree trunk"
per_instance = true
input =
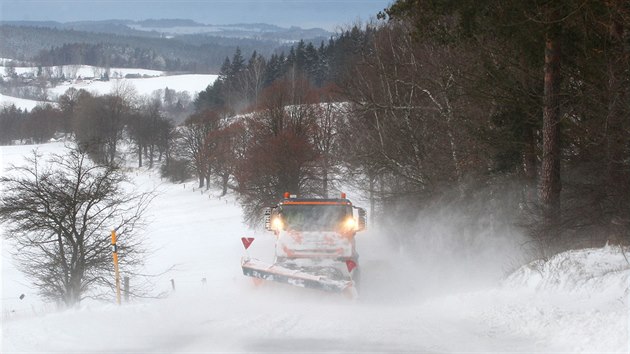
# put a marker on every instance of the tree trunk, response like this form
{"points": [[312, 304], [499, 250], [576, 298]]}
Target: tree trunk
{"points": [[151, 156], [325, 179], [529, 153], [550, 184], [208, 174], [73, 287], [139, 155], [226, 179], [616, 136], [529, 163], [112, 156], [372, 199]]}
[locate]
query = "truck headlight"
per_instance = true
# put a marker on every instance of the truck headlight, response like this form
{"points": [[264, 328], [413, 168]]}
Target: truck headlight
{"points": [[349, 224], [277, 224]]}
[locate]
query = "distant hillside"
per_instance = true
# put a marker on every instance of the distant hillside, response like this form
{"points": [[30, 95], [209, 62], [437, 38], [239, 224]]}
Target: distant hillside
{"points": [[166, 23], [181, 27], [166, 44], [177, 28]]}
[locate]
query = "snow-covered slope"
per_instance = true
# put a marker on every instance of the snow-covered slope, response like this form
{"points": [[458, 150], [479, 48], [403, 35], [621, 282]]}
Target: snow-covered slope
{"points": [[192, 83], [20, 103], [143, 81], [577, 301]]}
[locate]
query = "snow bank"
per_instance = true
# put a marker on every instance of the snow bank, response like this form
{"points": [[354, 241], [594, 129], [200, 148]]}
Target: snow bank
{"points": [[577, 300], [587, 271]]}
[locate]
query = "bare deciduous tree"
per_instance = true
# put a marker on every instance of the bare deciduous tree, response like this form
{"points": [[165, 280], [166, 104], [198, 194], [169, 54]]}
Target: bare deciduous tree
{"points": [[59, 212], [329, 116], [197, 146], [417, 116], [279, 154]]}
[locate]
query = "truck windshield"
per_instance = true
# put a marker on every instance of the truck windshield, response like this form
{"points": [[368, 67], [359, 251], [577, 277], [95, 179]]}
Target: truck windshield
{"points": [[308, 217]]}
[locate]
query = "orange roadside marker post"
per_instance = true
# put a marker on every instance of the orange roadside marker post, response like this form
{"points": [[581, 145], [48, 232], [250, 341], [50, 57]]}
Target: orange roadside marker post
{"points": [[117, 274]]}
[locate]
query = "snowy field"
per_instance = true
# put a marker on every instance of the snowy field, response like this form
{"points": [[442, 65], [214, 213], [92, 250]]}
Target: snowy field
{"points": [[20, 103], [74, 71], [192, 83], [150, 81], [576, 302]]}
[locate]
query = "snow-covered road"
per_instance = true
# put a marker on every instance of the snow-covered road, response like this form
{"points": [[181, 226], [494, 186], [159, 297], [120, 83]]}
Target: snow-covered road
{"points": [[577, 302]]}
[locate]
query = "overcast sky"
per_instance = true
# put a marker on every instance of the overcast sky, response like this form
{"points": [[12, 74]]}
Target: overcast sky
{"points": [[328, 14]]}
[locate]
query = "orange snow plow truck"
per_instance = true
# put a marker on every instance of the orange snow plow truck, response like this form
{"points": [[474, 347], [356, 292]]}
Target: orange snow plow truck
{"points": [[315, 246]]}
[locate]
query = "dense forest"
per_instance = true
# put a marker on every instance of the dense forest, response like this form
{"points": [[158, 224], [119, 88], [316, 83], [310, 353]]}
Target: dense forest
{"points": [[514, 113]]}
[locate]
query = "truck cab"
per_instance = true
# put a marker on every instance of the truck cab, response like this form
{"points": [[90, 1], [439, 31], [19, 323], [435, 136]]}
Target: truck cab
{"points": [[315, 228]]}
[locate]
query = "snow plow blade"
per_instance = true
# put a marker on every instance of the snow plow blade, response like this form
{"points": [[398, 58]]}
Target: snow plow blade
{"points": [[274, 272]]}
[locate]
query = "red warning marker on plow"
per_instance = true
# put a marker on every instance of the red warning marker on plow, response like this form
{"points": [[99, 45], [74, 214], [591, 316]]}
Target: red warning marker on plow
{"points": [[351, 265], [247, 241]]}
